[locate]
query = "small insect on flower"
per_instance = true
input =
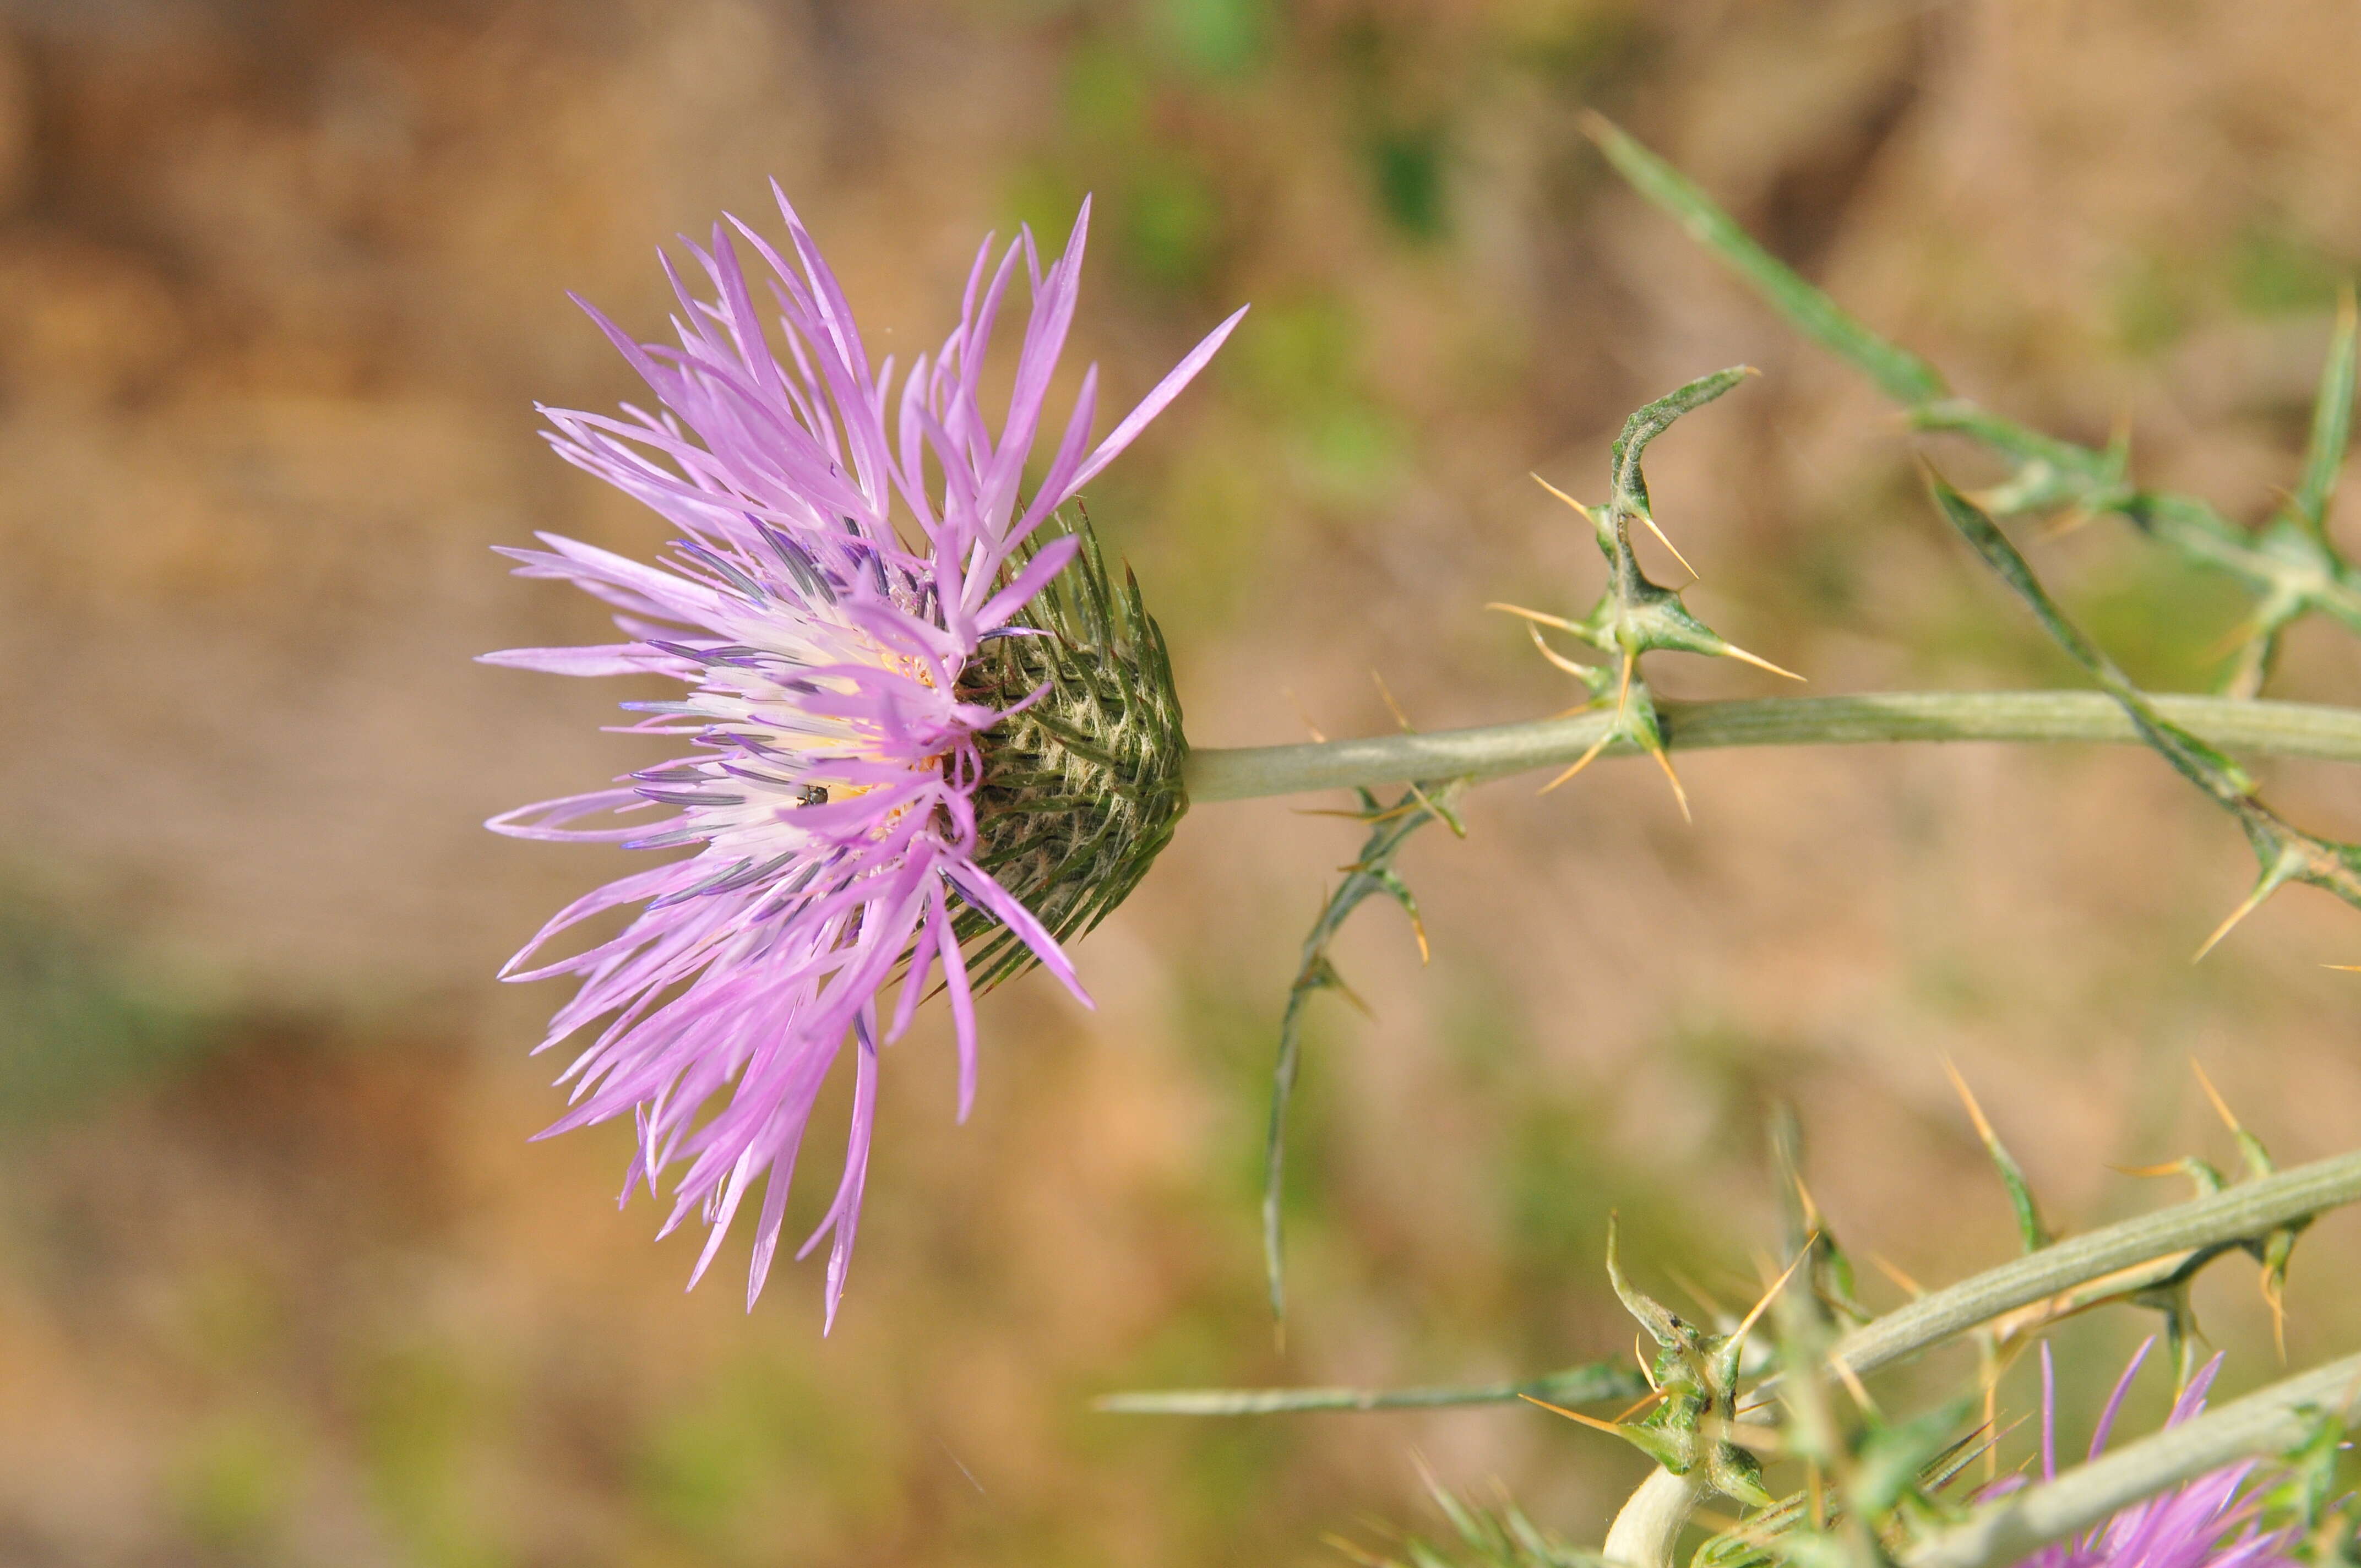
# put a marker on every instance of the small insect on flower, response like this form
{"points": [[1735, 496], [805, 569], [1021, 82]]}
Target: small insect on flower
{"points": [[919, 757], [2206, 1523]]}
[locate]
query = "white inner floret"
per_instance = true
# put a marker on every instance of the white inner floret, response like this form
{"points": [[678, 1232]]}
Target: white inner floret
{"points": [[773, 754]]}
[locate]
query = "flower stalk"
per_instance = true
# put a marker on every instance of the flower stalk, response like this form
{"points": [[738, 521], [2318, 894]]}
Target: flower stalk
{"points": [[2266, 729]]}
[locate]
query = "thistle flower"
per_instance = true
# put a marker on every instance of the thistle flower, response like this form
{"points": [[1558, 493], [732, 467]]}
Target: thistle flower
{"points": [[908, 737], [2206, 1523]]}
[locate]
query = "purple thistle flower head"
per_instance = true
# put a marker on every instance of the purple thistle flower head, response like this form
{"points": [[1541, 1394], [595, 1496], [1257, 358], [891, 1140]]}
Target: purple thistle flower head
{"points": [[882, 672], [2206, 1523]]}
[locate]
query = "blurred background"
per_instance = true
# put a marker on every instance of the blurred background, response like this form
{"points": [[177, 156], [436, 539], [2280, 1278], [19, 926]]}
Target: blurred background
{"points": [[281, 1280]]}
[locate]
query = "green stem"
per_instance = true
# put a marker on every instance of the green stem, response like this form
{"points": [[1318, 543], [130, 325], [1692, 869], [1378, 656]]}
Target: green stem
{"points": [[2204, 1226], [1575, 1386], [2271, 729], [2245, 1212], [2273, 1420]]}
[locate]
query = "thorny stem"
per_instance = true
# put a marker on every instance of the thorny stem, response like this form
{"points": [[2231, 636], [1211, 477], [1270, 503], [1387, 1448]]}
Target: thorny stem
{"points": [[1574, 1386], [2273, 729], [2190, 1232], [2274, 1420], [2246, 1212]]}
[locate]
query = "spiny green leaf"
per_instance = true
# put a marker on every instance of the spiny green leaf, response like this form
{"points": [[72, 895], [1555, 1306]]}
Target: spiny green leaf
{"points": [[2029, 1228], [1902, 374], [1372, 872], [1497, 1538], [1892, 1460], [1651, 421], [1635, 615], [1765, 1536], [2068, 459], [1830, 1276], [2051, 475], [2208, 768], [2286, 853], [2332, 425]]}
